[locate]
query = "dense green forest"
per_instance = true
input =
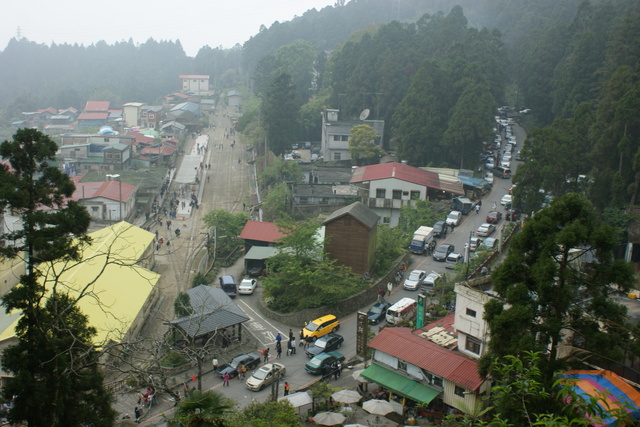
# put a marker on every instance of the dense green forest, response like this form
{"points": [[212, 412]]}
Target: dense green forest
{"points": [[434, 71]]}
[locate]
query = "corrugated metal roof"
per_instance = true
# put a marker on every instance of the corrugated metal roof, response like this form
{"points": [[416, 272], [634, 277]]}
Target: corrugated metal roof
{"points": [[112, 190], [360, 212], [97, 106], [213, 310], [93, 116], [395, 170], [403, 344], [261, 231]]}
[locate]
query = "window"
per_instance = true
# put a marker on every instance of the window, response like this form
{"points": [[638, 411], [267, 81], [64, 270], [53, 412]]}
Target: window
{"points": [[433, 379], [94, 208], [472, 344], [337, 156], [471, 313], [405, 194], [386, 220], [151, 116], [397, 194], [459, 391], [381, 193], [402, 365], [106, 140], [415, 195], [345, 137], [336, 137]]}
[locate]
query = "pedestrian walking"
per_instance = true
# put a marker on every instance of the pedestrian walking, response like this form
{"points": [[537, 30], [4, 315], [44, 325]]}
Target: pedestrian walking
{"points": [[293, 345], [389, 287], [225, 379], [278, 338], [477, 209], [278, 350], [289, 349], [266, 355], [138, 413], [287, 387], [291, 334], [214, 362]]}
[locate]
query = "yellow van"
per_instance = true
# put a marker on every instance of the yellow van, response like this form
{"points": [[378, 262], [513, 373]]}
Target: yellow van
{"points": [[321, 326]]}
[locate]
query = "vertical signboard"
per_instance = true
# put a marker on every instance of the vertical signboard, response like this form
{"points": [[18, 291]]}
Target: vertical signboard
{"points": [[420, 314], [362, 332]]}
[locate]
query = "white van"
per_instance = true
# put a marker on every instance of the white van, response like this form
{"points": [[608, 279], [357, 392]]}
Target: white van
{"points": [[402, 310]]}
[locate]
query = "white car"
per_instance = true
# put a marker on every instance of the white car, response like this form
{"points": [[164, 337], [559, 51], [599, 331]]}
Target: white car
{"points": [[247, 286], [432, 279], [454, 218], [486, 230], [474, 243], [414, 280], [506, 199], [488, 177]]}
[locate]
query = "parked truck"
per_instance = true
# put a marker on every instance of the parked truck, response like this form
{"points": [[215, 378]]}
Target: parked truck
{"points": [[421, 240], [463, 205]]}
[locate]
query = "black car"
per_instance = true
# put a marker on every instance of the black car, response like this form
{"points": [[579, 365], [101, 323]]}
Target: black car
{"points": [[513, 215], [249, 360], [440, 229], [328, 342], [377, 313], [443, 252]]}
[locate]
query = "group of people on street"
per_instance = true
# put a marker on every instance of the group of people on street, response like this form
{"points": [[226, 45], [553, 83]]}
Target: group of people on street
{"points": [[334, 370]]}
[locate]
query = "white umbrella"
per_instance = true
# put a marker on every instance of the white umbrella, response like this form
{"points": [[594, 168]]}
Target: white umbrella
{"points": [[377, 406], [346, 396], [355, 425], [356, 376], [329, 418], [298, 399]]}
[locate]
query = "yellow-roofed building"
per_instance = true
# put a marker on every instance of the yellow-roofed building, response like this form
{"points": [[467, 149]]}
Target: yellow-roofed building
{"points": [[115, 279]]}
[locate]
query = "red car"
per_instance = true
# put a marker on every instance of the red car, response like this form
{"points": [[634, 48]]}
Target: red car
{"points": [[494, 217]]}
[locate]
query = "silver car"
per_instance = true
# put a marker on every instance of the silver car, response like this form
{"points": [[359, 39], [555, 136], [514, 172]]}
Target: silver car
{"points": [[414, 280]]}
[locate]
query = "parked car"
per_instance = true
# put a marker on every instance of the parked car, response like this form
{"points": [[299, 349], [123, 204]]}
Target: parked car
{"points": [[440, 229], [491, 242], [454, 218], [377, 313], [320, 327], [488, 177], [256, 271], [314, 366], [265, 375], [414, 280], [247, 286], [453, 259], [513, 215], [518, 156], [506, 199], [474, 243], [328, 342], [486, 230], [431, 279], [249, 360], [494, 217], [443, 251], [489, 163]]}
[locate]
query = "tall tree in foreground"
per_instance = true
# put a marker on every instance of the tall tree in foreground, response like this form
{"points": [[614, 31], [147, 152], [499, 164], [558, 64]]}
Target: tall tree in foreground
{"points": [[56, 378], [280, 114], [555, 286]]}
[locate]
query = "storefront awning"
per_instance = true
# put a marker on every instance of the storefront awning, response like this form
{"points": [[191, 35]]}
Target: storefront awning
{"points": [[399, 384]]}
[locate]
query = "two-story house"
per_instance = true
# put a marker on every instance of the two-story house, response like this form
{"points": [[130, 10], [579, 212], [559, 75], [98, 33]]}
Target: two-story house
{"points": [[387, 187], [414, 366], [194, 83], [472, 329], [335, 135]]}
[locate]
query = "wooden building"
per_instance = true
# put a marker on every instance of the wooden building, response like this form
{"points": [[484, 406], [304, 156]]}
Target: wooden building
{"points": [[350, 237]]}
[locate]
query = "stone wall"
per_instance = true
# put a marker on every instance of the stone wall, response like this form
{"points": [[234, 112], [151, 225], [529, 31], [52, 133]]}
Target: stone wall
{"points": [[342, 308]]}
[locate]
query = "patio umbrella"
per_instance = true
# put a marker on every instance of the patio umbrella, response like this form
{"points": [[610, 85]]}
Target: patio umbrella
{"points": [[355, 425], [298, 399], [329, 418], [346, 396], [377, 407], [356, 376]]}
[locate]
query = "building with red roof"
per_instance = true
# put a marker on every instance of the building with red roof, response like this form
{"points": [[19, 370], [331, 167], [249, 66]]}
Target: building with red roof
{"points": [[257, 233], [387, 187], [106, 200], [416, 367], [97, 107]]}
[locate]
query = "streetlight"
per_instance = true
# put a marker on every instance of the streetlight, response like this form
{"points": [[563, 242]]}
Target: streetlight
{"points": [[112, 177]]}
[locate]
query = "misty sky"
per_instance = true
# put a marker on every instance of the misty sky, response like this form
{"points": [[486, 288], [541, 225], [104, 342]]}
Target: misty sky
{"points": [[195, 23]]}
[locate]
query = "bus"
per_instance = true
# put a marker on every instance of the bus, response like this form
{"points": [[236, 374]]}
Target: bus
{"points": [[401, 310]]}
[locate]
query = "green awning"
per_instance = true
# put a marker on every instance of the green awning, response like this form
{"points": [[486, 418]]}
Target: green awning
{"points": [[261, 252], [399, 384]]}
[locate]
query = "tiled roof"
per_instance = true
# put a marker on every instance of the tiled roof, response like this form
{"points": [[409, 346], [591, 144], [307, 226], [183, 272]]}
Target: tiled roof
{"points": [[93, 116], [395, 170], [360, 212], [261, 231], [108, 189], [97, 106], [403, 344]]}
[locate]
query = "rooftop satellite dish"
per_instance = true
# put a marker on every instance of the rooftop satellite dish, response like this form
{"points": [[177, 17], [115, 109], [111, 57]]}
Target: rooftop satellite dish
{"points": [[364, 114]]}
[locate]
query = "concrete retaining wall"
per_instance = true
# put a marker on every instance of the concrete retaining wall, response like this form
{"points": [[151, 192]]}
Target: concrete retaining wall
{"points": [[342, 308]]}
